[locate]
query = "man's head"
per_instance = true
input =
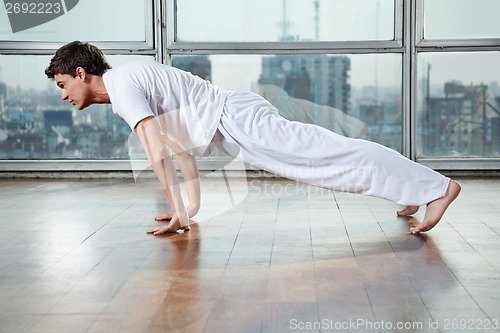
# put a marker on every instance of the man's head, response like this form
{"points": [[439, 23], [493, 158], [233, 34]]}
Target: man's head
{"points": [[75, 68], [77, 54]]}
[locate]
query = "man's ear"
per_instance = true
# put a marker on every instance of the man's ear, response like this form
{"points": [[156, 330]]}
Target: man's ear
{"points": [[80, 73]]}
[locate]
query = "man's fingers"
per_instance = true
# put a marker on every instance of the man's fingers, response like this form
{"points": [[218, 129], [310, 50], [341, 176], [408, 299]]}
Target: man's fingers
{"points": [[164, 217], [161, 230], [172, 227], [152, 230], [417, 230]]}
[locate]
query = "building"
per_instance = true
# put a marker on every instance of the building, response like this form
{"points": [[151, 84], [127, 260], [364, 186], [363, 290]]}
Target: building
{"points": [[304, 76]]}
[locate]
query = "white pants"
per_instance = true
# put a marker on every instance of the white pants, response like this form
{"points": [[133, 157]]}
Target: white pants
{"points": [[314, 155]]}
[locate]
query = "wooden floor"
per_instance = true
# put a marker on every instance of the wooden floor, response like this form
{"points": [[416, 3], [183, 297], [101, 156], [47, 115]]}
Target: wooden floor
{"points": [[75, 257]]}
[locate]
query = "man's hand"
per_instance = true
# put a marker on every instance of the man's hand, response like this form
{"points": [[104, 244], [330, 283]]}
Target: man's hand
{"points": [[173, 226]]}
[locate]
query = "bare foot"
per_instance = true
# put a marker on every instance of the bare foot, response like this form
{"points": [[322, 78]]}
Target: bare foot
{"points": [[408, 210], [435, 209]]}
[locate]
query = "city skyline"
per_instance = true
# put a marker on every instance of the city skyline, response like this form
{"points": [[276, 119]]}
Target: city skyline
{"points": [[27, 72], [30, 127]]}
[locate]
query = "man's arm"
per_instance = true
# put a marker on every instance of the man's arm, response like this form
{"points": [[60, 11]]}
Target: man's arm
{"points": [[158, 155], [189, 169], [190, 172]]}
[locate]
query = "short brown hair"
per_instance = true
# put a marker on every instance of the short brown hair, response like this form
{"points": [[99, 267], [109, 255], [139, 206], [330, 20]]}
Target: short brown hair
{"points": [[77, 54]]}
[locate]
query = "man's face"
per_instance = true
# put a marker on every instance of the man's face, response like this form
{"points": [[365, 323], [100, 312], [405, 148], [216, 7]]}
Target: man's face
{"points": [[74, 89]]}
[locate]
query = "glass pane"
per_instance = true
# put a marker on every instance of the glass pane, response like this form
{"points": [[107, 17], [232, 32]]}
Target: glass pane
{"points": [[89, 20], [459, 105], [284, 20], [36, 124], [353, 95], [453, 19]]}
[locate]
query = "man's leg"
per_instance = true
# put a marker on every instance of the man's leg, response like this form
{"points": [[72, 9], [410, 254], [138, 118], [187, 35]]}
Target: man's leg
{"points": [[314, 155]]}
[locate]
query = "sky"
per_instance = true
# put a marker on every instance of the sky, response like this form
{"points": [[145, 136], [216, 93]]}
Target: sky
{"points": [[262, 20]]}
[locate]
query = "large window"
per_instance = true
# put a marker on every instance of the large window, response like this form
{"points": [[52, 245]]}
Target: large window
{"points": [[355, 95], [35, 123], [96, 20], [457, 84], [459, 19], [284, 20], [418, 76], [459, 104], [338, 64]]}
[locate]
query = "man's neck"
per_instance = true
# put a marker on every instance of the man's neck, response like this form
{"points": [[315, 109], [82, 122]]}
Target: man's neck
{"points": [[99, 90]]}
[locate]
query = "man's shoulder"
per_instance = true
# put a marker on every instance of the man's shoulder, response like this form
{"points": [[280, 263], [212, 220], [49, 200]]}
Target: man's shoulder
{"points": [[137, 69], [139, 65]]}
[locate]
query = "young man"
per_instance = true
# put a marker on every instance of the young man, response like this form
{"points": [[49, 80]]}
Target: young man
{"points": [[169, 107]]}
